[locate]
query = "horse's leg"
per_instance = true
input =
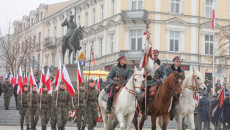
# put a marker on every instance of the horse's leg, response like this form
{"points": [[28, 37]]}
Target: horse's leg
{"points": [[154, 122], [121, 121], [105, 119], [179, 122], [135, 121], [191, 120], [165, 121], [70, 51], [129, 119], [142, 121]]}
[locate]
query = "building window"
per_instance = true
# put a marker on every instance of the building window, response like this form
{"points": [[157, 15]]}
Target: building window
{"points": [[41, 16], [137, 4], [79, 20], [53, 59], [208, 8], [92, 45], [86, 19], [175, 6], [101, 12], [174, 41], [136, 39], [111, 43], [93, 16], [84, 48], [100, 47], [46, 59], [54, 35], [112, 7], [208, 44], [39, 40], [48, 32]]}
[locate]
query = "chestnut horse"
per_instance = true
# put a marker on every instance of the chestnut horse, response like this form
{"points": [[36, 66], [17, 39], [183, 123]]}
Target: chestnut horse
{"points": [[159, 105]]}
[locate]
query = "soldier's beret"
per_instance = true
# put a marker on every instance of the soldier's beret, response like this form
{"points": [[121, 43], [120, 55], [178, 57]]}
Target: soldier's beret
{"points": [[34, 86], [177, 58], [82, 84], [204, 94], [214, 96], [62, 82], [43, 86], [25, 85], [121, 57], [155, 52], [91, 80]]}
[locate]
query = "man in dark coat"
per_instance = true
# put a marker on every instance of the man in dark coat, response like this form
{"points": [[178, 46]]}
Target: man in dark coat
{"points": [[119, 72], [16, 96], [216, 115], [203, 110], [226, 112]]}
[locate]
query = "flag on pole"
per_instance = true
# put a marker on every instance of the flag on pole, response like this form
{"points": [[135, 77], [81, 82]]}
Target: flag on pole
{"points": [[220, 101], [66, 79], [20, 85], [92, 55], [42, 81], [32, 79], [197, 98], [12, 80], [213, 15], [48, 81], [58, 76], [79, 78], [98, 84]]}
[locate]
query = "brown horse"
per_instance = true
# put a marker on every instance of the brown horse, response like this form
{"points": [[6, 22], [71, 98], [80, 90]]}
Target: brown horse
{"points": [[159, 105]]}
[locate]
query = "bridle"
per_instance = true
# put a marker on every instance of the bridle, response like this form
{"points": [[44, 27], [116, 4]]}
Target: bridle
{"points": [[173, 91], [195, 86], [130, 90]]}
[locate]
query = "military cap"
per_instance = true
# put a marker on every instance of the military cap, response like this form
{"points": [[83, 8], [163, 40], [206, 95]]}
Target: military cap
{"points": [[25, 85], [62, 82], [214, 96], [82, 84], [155, 52], [121, 57], [204, 94], [91, 80], [43, 86], [177, 58], [34, 86]]}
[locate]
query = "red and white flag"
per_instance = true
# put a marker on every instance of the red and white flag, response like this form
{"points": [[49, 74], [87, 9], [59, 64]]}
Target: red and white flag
{"points": [[79, 78], [48, 81], [213, 15], [42, 81], [98, 84], [66, 79], [197, 98], [58, 76], [32, 79], [220, 101], [12, 80], [20, 85]]}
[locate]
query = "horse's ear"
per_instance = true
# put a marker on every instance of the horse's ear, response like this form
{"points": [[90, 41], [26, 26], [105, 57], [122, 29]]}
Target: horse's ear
{"points": [[135, 69]]}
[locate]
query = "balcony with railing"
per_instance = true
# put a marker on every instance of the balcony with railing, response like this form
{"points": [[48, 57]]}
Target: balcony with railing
{"points": [[134, 15], [49, 42]]}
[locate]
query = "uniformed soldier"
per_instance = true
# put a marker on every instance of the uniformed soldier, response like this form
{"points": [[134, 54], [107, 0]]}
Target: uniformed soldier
{"points": [[92, 105], [216, 118], [24, 103], [53, 111], [119, 72], [156, 79], [226, 112], [34, 110], [81, 107], [46, 106], [63, 104], [8, 91], [203, 111], [174, 68]]}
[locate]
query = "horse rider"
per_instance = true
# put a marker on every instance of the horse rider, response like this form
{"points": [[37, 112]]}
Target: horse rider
{"points": [[226, 112], [71, 25], [155, 80], [174, 68], [203, 111], [119, 73]]}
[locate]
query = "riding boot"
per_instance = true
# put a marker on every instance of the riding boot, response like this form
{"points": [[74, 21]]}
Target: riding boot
{"points": [[27, 127], [172, 111], [143, 106], [109, 104], [21, 127]]}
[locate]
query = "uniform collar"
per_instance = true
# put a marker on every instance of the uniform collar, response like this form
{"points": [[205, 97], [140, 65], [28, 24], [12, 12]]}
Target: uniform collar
{"points": [[119, 65], [178, 69]]}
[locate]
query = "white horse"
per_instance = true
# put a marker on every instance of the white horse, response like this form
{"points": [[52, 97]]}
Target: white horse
{"points": [[186, 105], [125, 105]]}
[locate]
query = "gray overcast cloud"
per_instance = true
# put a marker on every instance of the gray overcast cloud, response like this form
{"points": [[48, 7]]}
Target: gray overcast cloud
{"points": [[11, 10]]}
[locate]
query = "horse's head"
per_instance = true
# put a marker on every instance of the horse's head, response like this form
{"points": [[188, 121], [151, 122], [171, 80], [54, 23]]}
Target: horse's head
{"points": [[198, 81], [138, 79], [175, 84], [78, 32]]}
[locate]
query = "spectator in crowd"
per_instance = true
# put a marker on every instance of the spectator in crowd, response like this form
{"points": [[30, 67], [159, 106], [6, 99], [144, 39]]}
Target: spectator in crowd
{"points": [[225, 84], [1, 82], [206, 81], [16, 96], [217, 85], [209, 87]]}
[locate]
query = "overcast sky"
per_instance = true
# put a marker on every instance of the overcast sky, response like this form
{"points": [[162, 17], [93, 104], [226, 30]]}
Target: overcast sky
{"points": [[11, 10]]}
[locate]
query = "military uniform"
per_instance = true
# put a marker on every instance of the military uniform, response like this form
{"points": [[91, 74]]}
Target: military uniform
{"points": [[172, 69], [203, 111], [217, 115], [63, 100], [53, 112], [92, 105], [226, 112], [8, 91], [46, 107], [81, 109], [24, 109], [34, 110]]}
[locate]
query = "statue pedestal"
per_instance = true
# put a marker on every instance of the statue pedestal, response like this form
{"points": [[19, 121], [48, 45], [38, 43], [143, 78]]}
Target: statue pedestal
{"points": [[72, 70]]}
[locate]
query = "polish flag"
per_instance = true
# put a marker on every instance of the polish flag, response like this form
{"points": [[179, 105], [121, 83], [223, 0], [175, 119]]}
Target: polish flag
{"points": [[48, 81], [197, 98], [98, 84], [12, 80], [79, 78], [32, 79], [221, 97], [66, 79], [58, 76], [213, 15], [42, 81], [20, 85]]}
